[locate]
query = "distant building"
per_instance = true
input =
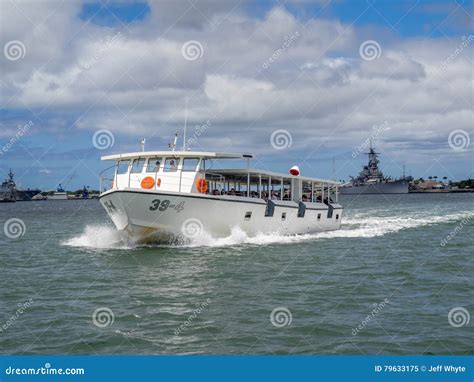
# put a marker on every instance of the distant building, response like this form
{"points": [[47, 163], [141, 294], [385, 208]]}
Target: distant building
{"points": [[430, 185]]}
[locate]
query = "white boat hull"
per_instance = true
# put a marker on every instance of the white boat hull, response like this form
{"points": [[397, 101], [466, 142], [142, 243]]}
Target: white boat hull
{"points": [[169, 215], [58, 196]]}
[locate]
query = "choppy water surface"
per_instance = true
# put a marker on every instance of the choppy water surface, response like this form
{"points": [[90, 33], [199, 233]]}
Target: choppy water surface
{"points": [[396, 279]]}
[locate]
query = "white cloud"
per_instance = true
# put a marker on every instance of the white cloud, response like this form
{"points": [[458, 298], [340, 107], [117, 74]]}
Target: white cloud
{"points": [[318, 87]]}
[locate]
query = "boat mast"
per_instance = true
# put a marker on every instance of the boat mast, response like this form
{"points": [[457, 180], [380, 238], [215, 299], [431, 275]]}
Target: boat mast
{"points": [[185, 125]]}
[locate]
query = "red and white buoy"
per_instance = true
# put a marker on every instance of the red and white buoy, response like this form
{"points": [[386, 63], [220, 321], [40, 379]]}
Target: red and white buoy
{"points": [[295, 170]]}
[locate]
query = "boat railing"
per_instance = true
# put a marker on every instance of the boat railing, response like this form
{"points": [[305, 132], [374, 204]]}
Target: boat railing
{"points": [[214, 180], [106, 178], [214, 177]]}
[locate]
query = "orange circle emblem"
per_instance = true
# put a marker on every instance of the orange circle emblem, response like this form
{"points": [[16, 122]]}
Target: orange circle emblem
{"points": [[201, 185], [147, 182]]}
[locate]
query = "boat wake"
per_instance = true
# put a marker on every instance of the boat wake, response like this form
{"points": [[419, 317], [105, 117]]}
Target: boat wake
{"points": [[100, 237], [358, 226]]}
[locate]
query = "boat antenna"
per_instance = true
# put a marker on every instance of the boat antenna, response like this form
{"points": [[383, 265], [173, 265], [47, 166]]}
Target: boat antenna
{"points": [[333, 167], [142, 143], [172, 146], [185, 125]]}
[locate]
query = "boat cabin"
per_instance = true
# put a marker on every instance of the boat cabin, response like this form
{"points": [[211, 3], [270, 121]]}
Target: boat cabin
{"points": [[202, 173]]}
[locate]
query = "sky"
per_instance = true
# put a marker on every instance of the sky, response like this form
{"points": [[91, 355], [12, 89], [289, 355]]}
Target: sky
{"points": [[296, 82]]}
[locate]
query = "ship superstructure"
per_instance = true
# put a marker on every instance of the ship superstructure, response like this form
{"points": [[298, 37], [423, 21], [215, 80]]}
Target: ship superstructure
{"points": [[371, 180]]}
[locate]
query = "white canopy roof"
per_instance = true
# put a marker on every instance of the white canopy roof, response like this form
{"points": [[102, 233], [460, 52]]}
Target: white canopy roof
{"points": [[194, 154], [274, 175]]}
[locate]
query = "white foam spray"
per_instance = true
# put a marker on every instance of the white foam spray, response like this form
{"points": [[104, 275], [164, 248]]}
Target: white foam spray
{"points": [[358, 226]]}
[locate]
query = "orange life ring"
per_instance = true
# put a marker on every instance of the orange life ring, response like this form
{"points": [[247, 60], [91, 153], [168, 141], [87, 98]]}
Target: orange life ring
{"points": [[147, 182], [201, 185]]}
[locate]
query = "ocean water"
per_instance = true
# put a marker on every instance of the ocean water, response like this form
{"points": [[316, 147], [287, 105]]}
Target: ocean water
{"points": [[397, 278]]}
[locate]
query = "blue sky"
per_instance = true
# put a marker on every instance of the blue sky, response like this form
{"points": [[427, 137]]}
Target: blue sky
{"points": [[120, 67]]}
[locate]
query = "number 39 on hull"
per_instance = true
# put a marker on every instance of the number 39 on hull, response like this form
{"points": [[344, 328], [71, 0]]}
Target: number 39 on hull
{"points": [[169, 195]]}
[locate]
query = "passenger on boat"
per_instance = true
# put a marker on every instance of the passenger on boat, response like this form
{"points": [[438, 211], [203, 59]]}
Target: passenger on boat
{"points": [[157, 166]]}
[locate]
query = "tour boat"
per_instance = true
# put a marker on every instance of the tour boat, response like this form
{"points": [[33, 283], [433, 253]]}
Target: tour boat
{"points": [[168, 195]]}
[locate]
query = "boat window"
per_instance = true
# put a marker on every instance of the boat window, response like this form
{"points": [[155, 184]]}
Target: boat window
{"points": [[171, 164], [153, 165], [319, 216], [123, 166], [137, 165], [283, 216], [337, 217], [190, 164], [248, 215]]}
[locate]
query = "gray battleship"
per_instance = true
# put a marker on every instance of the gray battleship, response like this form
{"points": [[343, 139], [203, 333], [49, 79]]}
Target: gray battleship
{"points": [[10, 193], [8, 190], [371, 180]]}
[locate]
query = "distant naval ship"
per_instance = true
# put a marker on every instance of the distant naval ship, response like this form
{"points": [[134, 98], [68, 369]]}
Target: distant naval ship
{"points": [[371, 180], [9, 192]]}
